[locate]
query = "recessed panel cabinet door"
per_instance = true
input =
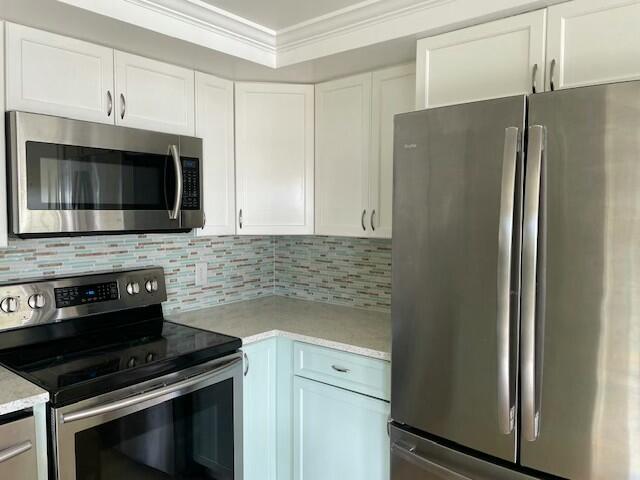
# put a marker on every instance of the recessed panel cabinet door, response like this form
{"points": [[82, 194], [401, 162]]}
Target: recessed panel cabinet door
{"points": [[214, 124], [392, 93], [343, 133], [56, 75], [338, 434], [274, 159], [492, 60], [154, 95], [593, 41]]}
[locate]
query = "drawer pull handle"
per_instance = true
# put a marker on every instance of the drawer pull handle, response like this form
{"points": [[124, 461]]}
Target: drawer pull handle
{"points": [[9, 453], [340, 369]]}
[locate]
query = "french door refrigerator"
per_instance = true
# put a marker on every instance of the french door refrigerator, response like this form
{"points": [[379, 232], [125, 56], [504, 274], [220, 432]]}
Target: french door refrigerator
{"points": [[516, 288]]}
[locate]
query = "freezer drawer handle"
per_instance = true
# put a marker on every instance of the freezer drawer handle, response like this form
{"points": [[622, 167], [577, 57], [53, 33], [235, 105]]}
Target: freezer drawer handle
{"points": [[530, 262], [506, 386], [410, 454], [9, 453]]}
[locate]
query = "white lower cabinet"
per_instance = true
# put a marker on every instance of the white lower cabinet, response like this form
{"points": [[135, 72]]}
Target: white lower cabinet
{"points": [[338, 434], [303, 429]]}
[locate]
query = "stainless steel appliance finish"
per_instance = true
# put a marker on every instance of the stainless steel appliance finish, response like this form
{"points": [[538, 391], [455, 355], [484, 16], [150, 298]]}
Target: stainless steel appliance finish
{"points": [[416, 458], [34, 303], [70, 420], [457, 183], [581, 387], [25, 128], [464, 330], [18, 449]]}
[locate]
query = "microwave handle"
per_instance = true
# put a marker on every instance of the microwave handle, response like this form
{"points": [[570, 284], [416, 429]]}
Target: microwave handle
{"points": [[177, 204]]}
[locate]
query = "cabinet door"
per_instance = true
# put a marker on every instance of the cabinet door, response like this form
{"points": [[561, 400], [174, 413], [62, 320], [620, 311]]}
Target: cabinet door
{"points": [[259, 431], [393, 91], [338, 434], [214, 124], [496, 59], [56, 75], [4, 224], [343, 133], [153, 95], [274, 158], [593, 41]]}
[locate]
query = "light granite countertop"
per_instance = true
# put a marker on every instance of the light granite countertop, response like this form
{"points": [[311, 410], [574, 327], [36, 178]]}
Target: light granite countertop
{"points": [[354, 330], [16, 393]]}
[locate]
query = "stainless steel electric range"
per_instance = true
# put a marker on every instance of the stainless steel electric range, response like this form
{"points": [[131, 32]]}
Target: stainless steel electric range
{"points": [[132, 396]]}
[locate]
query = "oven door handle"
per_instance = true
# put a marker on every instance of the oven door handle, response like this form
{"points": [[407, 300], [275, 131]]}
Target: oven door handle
{"points": [[185, 386], [177, 204]]}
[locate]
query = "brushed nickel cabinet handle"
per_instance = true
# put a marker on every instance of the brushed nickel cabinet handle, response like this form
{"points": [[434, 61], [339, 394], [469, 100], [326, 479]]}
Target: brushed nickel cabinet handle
{"points": [[11, 452], [109, 103], [373, 214], [240, 218], [534, 78], [123, 106], [340, 369], [364, 213], [246, 364], [552, 73]]}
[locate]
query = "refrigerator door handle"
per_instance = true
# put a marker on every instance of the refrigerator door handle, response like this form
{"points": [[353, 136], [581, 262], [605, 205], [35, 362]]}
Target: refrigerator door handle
{"points": [[530, 254], [506, 385]]}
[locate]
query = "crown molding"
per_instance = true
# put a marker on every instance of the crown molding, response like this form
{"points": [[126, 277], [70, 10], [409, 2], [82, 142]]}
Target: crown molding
{"points": [[360, 25]]}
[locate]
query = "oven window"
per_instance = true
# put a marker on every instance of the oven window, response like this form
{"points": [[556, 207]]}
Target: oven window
{"points": [[63, 177], [190, 437]]}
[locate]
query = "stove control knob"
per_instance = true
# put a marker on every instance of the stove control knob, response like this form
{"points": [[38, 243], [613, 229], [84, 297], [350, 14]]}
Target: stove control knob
{"points": [[132, 362], [9, 304], [151, 286], [133, 288], [36, 301]]}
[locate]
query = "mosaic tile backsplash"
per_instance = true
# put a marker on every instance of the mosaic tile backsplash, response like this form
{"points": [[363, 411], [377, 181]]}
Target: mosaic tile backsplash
{"points": [[239, 268], [344, 271]]}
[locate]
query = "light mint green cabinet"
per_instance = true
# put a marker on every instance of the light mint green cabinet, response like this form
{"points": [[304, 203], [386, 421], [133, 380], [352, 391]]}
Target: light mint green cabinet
{"points": [[260, 409], [338, 434]]}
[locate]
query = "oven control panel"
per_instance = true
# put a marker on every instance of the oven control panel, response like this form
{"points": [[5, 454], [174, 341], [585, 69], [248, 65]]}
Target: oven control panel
{"points": [[80, 295], [55, 299]]}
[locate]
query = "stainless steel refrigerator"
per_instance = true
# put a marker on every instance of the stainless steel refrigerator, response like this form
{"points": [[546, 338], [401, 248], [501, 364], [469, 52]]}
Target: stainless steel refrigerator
{"points": [[516, 288]]}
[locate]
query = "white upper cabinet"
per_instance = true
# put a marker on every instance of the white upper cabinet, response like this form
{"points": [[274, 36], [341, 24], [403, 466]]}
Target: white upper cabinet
{"points": [[214, 124], [274, 158], [154, 95], [392, 93], [496, 59], [593, 41], [343, 134], [56, 75]]}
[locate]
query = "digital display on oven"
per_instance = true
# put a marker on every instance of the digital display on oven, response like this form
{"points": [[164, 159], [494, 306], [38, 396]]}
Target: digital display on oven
{"points": [[84, 294]]}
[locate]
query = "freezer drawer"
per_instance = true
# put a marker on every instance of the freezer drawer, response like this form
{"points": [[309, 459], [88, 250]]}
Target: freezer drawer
{"points": [[416, 458], [18, 449]]}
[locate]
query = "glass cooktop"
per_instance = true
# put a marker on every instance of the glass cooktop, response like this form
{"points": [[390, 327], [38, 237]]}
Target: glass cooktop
{"points": [[105, 359]]}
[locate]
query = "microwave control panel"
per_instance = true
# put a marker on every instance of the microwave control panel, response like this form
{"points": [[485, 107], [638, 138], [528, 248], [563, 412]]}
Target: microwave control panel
{"points": [[191, 184]]}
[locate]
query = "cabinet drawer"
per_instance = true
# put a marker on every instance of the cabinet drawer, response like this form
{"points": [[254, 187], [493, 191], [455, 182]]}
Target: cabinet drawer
{"points": [[345, 370]]}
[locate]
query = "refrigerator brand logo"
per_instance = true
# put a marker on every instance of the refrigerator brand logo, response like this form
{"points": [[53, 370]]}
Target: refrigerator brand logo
{"points": [[410, 146]]}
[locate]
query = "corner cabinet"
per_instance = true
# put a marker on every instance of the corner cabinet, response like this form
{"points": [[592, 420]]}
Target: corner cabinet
{"points": [[154, 95], [593, 41], [274, 159], [354, 150], [56, 75], [214, 124], [497, 59]]}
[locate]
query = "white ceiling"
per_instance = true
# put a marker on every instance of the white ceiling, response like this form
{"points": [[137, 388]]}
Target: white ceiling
{"points": [[279, 14]]}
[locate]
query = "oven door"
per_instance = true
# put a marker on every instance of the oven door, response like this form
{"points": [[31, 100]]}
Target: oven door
{"points": [[71, 177], [187, 425]]}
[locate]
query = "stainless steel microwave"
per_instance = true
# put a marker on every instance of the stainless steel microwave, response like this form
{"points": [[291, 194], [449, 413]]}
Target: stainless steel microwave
{"points": [[69, 177]]}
